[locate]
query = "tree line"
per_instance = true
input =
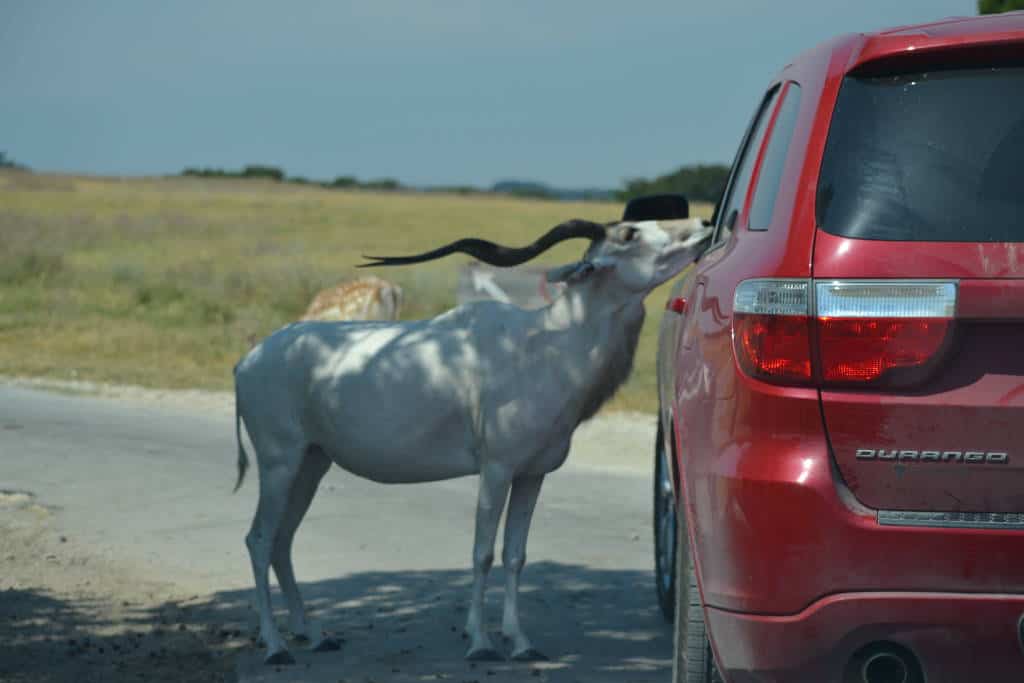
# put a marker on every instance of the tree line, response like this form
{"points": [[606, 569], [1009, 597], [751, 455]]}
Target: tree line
{"points": [[999, 6], [277, 174], [8, 162], [702, 182]]}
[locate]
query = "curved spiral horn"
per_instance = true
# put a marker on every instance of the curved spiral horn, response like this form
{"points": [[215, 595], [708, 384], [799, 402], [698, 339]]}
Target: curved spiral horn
{"points": [[496, 254]]}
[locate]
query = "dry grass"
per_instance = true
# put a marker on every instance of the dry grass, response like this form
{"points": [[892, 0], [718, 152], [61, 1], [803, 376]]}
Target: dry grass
{"points": [[162, 282]]}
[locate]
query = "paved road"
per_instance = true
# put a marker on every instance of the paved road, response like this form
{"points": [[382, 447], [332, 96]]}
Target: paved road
{"points": [[386, 566]]}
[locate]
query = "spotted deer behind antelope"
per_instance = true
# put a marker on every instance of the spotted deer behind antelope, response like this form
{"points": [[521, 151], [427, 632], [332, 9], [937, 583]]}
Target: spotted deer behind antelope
{"points": [[366, 298]]}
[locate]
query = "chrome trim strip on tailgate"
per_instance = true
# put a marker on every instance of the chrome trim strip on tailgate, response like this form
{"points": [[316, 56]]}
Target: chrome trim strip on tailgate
{"points": [[953, 520]]}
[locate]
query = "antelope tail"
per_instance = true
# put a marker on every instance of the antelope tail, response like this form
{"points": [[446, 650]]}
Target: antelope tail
{"points": [[243, 457]]}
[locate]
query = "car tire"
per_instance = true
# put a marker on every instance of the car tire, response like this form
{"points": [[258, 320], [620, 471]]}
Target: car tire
{"points": [[693, 659], [665, 523]]}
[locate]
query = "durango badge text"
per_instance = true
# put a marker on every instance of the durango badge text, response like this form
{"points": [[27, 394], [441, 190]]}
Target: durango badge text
{"points": [[976, 457]]}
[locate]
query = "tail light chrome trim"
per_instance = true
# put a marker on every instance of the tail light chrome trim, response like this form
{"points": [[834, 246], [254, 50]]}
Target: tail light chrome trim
{"points": [[773, 297], [885, 298]]}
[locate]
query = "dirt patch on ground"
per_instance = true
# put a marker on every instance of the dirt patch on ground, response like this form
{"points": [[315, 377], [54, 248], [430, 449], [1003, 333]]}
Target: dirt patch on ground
{"points": [[70, 615]]}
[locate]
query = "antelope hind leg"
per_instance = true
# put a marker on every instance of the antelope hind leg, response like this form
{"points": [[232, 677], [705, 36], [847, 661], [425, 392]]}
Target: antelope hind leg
{"points": [[314, 465], [275, 484]]}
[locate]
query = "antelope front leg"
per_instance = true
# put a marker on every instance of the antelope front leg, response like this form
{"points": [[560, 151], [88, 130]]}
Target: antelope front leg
{"points": [[513, 556], [494, 484]]}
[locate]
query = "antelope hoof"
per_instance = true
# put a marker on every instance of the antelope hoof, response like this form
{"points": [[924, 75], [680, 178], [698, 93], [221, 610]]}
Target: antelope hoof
{"points": [[327, 645], [529, 655], [279, 658], [484, 654]]}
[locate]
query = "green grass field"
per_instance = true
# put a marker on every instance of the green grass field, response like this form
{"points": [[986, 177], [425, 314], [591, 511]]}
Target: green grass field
{"points": [[161, 283]]}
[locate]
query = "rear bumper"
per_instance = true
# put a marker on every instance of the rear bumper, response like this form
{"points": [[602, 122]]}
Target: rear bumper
{"points": [[957, 638]]}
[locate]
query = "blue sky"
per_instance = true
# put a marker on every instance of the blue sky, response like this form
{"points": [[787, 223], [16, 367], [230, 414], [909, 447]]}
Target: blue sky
{"points": [[570, 92]]}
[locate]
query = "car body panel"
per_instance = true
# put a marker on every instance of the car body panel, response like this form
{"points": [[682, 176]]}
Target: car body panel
{"points": [[669, 334]]}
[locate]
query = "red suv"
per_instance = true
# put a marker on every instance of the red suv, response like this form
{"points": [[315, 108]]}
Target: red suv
{"points": [[841, 375]]}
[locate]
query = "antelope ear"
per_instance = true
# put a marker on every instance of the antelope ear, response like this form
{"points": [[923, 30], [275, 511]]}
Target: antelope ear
{"points": [[579, 271]]}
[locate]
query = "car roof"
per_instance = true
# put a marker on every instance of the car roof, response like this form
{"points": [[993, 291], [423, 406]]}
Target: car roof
{"points": [[990, 30], [961, 27]]}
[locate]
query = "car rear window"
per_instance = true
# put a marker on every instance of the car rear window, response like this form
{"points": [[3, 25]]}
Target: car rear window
{"points": [[926, 156]]}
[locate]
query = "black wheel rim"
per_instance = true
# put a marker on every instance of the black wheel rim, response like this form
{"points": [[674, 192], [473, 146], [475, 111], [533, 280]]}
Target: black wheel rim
{"points": [[665, 505]]}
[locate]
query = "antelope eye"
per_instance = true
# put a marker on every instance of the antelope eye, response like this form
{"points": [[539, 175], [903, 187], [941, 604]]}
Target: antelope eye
{"points": [[629, 234]]}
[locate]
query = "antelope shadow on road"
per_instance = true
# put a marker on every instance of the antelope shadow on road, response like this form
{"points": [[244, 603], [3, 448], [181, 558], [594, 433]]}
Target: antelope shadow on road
{"points": [[596, 625], [593, 624]]}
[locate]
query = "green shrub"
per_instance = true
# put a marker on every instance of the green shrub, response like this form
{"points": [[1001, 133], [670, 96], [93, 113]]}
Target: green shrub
{"points": [[158, 295], [703, 182], [382, 184], [260, 171], [343, 181], [32, 265]]}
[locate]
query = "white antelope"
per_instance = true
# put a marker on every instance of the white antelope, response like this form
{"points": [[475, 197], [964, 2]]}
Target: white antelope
{"points": [[486, 388]]}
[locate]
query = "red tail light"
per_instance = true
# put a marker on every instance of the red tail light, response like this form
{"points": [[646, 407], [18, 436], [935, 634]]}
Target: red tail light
{"points": [[855, 350], [774, 347], [867, 332]]}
